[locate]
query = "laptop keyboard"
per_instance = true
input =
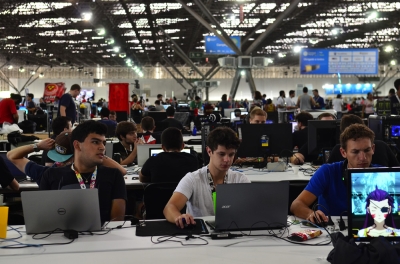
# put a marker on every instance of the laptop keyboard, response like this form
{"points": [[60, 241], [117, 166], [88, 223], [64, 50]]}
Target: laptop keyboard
{"points": [[134, 170]]}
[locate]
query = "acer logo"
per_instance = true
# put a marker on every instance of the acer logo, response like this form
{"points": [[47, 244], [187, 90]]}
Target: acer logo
{"points": [[225, 206]]}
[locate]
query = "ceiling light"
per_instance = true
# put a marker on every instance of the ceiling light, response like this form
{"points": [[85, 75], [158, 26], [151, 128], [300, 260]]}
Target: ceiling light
{"points": [[33, 72], [86, 16], [41, 75], [141, 74], [243, 73], [116, 49], [100, 31], [281, 55], [122, 55], [10, 67], [21, 69], [334, 31], [393, 62], [389, 48], [296, 49], [371, 14], [109, 41]]}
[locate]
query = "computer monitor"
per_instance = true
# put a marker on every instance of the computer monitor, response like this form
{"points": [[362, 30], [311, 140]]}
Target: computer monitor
{"points": [[157, 116], [166, 106], [227, 111], [156, 151], [294, 124], [322, 134], [253, 137], [233, 115], [373, 197]]}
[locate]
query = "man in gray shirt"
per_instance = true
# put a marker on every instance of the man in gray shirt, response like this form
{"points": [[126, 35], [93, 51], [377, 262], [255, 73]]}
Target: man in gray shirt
{"points": [[305, 101], [159, 107], [196, 189]]}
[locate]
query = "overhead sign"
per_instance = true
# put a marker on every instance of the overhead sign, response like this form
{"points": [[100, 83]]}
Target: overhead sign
{"points": [[349, 88], [195, 55], [217, 47], [343, 61]]}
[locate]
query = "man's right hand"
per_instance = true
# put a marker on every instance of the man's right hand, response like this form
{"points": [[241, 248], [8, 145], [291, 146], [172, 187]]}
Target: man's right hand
{"points": [[188, 218], [321, 217], [46, 144]]}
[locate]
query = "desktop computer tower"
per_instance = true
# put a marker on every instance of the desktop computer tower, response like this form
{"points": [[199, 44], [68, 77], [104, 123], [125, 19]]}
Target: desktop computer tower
{"points": [[386, 128]]}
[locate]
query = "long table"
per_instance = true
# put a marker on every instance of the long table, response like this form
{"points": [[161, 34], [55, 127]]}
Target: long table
{"points": [[122, 245]]}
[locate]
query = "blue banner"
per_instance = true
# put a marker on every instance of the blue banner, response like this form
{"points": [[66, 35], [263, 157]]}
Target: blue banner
{"points": [[343, 61], [349, 88], [217, 47]]}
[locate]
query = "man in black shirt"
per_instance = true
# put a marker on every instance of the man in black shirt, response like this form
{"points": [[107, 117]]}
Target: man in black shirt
{"points": [[300, 137], [128, 141], [87, 171], [67, 105], [170, 165], [171, 121], [395, 100], [383, 155]]}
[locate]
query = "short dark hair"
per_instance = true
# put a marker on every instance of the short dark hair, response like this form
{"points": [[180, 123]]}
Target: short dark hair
{"points": [[397, 84], [16, 97], [197, 98], [81, 132], [159, 95], [257, 95], [157, 102], [303, 117], [123, 128], [171, 139], [59, 123], [281, 93], [291, 92], [170, 111], [147, 123], [348, 120], [113, 113], [315, 90], [326, 115], [339, 96], [224, 97], [305, 90], [76, 87], [104, 112], [30, 95], [392, 91], [264, 95], [223, 136], [354, 132]]}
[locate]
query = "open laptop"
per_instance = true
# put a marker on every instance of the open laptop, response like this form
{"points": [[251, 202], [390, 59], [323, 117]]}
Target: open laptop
{"points": [[373, 197], [77, 209], [251, 206], [18, 175], [156, 151], [143, 152]]}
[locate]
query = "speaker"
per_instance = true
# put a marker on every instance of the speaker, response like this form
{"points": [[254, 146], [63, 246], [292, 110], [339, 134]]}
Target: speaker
{"points": [[260, 62], [227, 62], [96, 80], [245, 62]]}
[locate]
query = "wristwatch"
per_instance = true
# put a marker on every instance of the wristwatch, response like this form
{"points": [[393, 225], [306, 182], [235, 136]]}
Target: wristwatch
{"points": [[35, 147]]}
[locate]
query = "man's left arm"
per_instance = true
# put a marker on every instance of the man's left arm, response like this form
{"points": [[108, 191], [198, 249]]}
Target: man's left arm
{"points": [[118, 198], [110, 163]]}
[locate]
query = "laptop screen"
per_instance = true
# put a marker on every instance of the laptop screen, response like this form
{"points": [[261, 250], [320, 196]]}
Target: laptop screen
{"points": [[374, 196], [156, 151], [233, 114]]}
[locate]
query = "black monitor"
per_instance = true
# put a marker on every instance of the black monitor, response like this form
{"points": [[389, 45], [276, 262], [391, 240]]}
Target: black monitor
{"points": [[253, 138], [157, 116], [322, 134]]}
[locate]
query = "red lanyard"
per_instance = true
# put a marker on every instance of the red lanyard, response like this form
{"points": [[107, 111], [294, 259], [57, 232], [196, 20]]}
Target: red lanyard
{"points": [[80, 180]]}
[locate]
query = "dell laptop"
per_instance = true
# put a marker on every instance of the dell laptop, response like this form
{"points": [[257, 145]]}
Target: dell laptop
{"points": [[251, 206], [46, 211]]}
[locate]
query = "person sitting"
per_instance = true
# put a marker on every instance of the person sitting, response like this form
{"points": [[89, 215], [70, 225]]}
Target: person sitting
{"points": [[158, 106], [111, 125], [195, 187], [86, 171], [170, 165], [300, 137], [383, 154], [171, 121], [258, 116], [149, 136], [328, 182], [59, 150], [128, 141], [8, 110], [113, 116]]}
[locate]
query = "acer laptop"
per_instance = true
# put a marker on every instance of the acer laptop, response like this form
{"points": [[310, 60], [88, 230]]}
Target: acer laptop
{"points": [[75, 209], [251, 206]]}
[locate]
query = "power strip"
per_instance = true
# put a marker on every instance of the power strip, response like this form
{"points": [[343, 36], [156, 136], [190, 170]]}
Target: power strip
{"points": [[276, 166]]}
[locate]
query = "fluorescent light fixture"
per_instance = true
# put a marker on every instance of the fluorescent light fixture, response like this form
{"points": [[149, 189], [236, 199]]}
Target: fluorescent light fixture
{"points": [[296, 49], [243, 73], [41, 75], [281, 55], [21, 69], [122, 55], [33, 72], [86, 16], [389, 48], [116, 49], [109, 41], [10, 67], [393, 62], [100, 31]]}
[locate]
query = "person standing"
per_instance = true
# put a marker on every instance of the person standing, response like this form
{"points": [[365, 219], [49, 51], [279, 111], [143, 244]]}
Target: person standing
{"points": [[305, 101], [281, 105], [8, 110], [290, 103], [67, 105], [196, 104], [394, 100], [30, 105], [224, 104], [319, 101], [368, 106], [337, 104]]}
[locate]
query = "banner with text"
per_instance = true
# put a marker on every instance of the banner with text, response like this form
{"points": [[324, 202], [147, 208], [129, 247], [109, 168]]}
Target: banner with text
{"points": [[118, 97], [53, 90]]}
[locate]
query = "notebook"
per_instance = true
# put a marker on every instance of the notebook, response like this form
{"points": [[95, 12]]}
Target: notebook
{"points": [[143, 152], [77, 209], [373, 196], [251, 206]]}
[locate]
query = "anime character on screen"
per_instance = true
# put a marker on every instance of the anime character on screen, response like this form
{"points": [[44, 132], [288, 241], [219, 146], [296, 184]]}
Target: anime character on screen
{"points": [[379, 219]]}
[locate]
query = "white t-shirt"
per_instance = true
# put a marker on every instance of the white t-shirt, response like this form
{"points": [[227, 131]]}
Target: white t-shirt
{"points": [[337, 104], [281, 102], [290, 102], [196, 187], [369, 106]]}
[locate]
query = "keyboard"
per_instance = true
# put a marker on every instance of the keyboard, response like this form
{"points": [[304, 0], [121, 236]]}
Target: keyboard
{"points": [[134, 170]]}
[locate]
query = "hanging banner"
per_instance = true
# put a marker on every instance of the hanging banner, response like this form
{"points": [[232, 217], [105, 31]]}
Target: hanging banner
{"points": [[118, 95], [53, 90]]}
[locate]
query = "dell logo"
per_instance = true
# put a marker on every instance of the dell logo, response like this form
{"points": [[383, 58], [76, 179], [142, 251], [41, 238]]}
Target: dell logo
{"points": [[61, 211], [225, 206]]}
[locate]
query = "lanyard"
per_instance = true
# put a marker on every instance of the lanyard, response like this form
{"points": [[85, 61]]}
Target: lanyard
{"points": [[80, 180], [211, 182]]}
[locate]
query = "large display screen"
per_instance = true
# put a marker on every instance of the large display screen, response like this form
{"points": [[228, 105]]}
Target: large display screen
{"points": [[343, 61], [348, 88], [217, 47]]}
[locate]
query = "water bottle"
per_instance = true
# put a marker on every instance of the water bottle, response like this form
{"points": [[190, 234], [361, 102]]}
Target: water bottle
{"points": [[194, 131], [191, 126]]}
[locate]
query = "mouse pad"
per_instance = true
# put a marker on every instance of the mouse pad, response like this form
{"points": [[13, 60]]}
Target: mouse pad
{"points": [[165, 228]]}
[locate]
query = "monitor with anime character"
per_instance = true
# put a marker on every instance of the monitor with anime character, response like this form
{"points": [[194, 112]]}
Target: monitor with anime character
{"points": [[373, 203]]}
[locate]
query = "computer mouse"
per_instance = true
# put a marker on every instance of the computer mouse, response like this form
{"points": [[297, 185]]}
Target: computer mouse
{"points": [[186, 225], [323, 223]]}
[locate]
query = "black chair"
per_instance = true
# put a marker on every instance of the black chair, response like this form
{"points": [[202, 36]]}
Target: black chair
{"points": [[156, 196]]}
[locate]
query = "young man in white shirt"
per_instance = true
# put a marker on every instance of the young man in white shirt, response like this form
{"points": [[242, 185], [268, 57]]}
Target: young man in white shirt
{"points": [[195, 190], [281, 105]]}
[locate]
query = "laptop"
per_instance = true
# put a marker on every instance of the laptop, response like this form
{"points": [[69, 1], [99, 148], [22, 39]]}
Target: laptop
{"points": [[18, 175], [77, 209], [251, 206], [156, 151], [373, 192], [143, 152]]}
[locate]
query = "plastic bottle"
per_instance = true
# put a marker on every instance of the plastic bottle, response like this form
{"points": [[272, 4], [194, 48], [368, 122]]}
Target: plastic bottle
{"points": [[194, 131], [191, 126]]}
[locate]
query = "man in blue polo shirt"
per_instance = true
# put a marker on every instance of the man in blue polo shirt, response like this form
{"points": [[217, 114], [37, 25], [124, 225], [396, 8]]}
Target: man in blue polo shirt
{"points": [[328, 182]]}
